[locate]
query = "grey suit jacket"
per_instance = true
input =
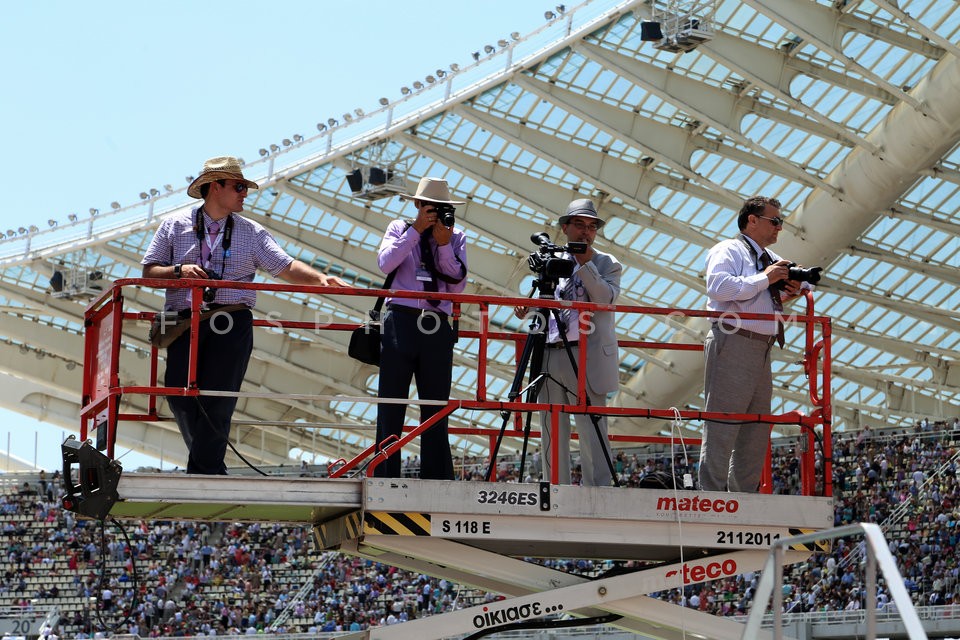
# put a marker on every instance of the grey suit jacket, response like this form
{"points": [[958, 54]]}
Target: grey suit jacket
{"points": [[601, 283]]}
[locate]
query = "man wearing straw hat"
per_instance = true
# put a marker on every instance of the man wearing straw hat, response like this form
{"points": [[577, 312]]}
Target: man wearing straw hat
{"points": [[429, 255], [212, 241]]}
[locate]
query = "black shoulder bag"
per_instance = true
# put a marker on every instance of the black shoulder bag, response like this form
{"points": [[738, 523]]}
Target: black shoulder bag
{"points": [[365, 339]]}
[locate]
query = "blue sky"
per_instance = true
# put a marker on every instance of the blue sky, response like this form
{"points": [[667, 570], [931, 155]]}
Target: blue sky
{"points": [[103, 100]]}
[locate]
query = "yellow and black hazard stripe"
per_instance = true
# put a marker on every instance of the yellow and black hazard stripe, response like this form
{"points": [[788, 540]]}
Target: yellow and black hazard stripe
{"points": [[819, 545], [334, 532], [396, 523]]}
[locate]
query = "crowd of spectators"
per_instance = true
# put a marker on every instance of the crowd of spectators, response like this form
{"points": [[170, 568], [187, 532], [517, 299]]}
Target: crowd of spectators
{"points": [[220, 579]]}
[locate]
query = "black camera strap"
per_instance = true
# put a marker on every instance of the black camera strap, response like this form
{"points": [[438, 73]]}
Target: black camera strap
{"points": [[430, 263]]}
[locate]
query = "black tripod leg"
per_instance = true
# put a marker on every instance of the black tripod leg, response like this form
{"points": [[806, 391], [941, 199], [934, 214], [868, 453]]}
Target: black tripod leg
{"points": [[533, 344], [595, 419]]}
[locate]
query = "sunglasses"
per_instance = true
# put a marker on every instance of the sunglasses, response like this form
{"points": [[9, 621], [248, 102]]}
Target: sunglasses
{"points": [[777, 222], [239, 187]]}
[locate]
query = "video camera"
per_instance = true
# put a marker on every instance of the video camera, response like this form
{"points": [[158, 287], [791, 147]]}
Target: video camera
{"points": [[547, 264]]}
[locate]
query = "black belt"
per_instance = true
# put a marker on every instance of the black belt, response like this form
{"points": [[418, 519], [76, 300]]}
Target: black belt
{"points": [[559, 345], [746, 333], [402, 308]]}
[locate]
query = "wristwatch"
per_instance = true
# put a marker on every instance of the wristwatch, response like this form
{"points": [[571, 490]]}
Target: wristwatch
{"points": [[177, 270]]}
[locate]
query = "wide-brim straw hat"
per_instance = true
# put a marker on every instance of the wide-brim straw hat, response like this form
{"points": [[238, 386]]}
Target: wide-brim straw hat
{"points": [[219, 168], [432, 190], [583, 208]]}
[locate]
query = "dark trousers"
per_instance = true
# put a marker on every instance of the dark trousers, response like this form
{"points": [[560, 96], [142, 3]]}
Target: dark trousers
{"points": [[421, 347], [223, 351]]}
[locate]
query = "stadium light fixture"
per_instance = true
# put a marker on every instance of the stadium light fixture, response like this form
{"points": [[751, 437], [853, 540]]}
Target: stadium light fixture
{"points": [[502, 43], [22, 230], [405, 90], [286, 142], [430, 79], [320, 127], [33, 228], [488, 48], [417, 85], [168, 187], [441, 73], [297, 137], [143, 195], [347, 117], [359, 112], [561, 9], [189, 179], [274, 148], [333, 122], [454, 67], [515, 36], [154, 192], [384, 102], [263, 153], [476, 55], [115, 205], [72, 217], [94, 211], [549, 15], [51, 222]]}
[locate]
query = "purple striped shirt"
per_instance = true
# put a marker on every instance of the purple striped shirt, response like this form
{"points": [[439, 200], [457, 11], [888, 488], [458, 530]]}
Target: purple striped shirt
{"points": [[251, 248]]}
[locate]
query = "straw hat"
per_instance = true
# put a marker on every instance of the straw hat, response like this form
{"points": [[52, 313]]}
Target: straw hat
{"points": [[432, 190], [582, 208], [219, 168]]}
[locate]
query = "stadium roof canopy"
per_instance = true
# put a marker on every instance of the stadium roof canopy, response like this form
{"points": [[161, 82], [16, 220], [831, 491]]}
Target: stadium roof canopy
{"points": [[847, 111]]}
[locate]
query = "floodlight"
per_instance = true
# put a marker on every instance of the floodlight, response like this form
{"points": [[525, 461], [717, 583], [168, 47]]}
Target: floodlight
{"points": [[189, 179], [515, 35], [476, 55], [143, 195], [286, 142], [320, 127], [72, 217], [297, 137], [347, 117], [489, 48], [405, 90], [332, 122], [359, 112], [154, 192], [417, 85], [274, 148], [51, 222], [168, 187], [454, 67], [116, 205], [561, 8], [33, 228], [94, 212], [650, 30], [22, 230], [441, 73], [430, 79], [549, 15], [384, 101], [502, 43]]}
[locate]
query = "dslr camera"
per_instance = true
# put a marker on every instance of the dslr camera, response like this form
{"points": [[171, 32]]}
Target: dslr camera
{"points": [[800, 274], [444, 213], [811, 275], [210, 293], [547, 264]]}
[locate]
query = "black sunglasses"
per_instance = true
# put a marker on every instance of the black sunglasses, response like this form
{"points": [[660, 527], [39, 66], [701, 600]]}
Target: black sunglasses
{"points": [[777, 222], [239, 187]]}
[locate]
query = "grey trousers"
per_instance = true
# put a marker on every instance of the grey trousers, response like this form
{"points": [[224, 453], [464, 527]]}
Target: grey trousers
{"points": [[737, 379], [593, 463]]}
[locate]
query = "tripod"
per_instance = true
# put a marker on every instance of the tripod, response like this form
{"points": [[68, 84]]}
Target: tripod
{"points": [[533, 356]]}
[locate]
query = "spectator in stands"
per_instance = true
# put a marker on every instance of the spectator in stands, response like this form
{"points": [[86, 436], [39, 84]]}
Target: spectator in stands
{"points": [[596, 278], [426, 254], [212, 241], [742, 277]]}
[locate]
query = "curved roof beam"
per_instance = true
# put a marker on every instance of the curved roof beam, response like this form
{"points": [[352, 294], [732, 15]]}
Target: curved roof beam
{"points": [[715, 107], [824, 28]]}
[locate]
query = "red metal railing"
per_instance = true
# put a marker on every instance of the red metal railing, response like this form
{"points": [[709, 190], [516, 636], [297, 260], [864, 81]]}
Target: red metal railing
{"points": [[102, 390]]}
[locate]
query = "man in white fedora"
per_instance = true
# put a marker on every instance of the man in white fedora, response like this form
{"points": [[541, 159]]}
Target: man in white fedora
{"points": [[428, 254], [596, 278], [212, 241]]}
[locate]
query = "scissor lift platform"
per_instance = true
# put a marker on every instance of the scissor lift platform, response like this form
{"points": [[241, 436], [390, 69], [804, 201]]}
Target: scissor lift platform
{"points": [[477, 534]]}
